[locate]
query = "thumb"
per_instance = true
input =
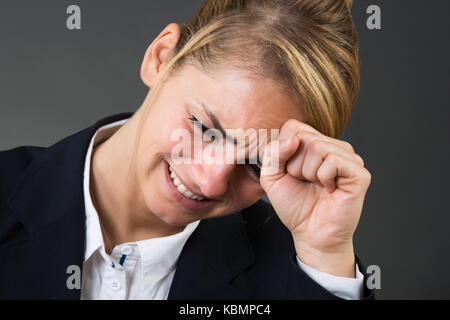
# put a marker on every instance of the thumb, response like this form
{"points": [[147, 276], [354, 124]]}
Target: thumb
{"points": [[276, 155]]}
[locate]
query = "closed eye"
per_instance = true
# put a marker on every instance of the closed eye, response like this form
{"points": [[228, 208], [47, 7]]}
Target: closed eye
{"points": [[199, 125], [255, 169]]}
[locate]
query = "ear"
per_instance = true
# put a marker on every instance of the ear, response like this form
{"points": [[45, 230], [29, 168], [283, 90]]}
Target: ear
{"points": [[159, 53]]}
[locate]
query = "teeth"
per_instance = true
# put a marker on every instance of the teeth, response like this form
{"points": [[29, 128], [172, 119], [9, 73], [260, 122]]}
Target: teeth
{"points": [[181, 187], [189, 194]]}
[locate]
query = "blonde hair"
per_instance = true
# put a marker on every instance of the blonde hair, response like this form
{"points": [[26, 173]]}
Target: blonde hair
{"points": [[309, 46]]}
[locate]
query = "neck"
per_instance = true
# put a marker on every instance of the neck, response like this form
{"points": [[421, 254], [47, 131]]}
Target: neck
{"points": [[116, 195]]}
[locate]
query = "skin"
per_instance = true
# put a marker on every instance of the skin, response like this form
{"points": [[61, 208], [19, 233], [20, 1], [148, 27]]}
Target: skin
{"points": [[318, 190]]}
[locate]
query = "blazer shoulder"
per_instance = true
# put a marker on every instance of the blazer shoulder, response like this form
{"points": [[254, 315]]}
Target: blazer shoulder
{"points": [[13, 163]]}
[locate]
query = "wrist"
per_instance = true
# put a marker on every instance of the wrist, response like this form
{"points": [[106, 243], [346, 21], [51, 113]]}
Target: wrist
{"points": [[337, 261]]}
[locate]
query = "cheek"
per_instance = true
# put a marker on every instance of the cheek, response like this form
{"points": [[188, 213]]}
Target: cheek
{"points": [[159, 139]]}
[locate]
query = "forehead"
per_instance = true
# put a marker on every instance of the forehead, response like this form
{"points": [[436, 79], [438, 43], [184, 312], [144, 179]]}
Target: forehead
{"points": [[239, 101]]}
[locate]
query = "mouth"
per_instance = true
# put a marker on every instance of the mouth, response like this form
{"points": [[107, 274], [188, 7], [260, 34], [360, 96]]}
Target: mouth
{"points": [[182, 188], [185, 197]]}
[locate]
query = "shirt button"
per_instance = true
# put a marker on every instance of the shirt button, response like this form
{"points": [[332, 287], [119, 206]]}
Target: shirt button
{"points": [[126, 250], [115, 285]]}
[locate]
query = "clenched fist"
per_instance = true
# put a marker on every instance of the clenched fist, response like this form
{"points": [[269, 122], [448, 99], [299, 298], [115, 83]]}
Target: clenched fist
{"points": [[318, 192]]}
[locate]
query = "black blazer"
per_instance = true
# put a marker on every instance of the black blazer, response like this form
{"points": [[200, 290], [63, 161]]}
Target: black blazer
{"points": [[246, 255]]}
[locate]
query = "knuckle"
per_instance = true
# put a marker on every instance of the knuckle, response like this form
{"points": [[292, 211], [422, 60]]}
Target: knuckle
{"points": [[347, 146], [333, 159], [317, 146], [296, 125], [290, 125], [307, 137], [367, 177], [359, 159]]}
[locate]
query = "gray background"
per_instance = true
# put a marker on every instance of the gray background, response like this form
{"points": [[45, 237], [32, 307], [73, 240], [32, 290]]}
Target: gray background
{"points": [[54, 82]]}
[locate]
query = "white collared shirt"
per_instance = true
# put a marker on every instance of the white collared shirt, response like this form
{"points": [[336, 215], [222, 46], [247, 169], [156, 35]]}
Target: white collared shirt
{"points": [[145, 269]]}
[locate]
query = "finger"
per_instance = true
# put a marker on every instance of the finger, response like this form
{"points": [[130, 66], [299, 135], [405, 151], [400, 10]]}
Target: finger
{"points": [[293, 126], [341, 147], [312, 151], [276, 155], [338, 172], [316, 153]]}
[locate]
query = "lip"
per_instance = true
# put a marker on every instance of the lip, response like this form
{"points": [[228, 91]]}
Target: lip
{"points": [[185, 202]]}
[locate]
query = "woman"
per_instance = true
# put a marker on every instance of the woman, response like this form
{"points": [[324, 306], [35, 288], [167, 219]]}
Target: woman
{"points": [[114, 204]]}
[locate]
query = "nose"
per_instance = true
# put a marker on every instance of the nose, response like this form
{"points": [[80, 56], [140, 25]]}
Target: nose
{"points": [[213, 179]]}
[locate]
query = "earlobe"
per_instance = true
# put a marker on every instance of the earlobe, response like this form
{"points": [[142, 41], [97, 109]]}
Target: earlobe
{"points": [[159, 53]]}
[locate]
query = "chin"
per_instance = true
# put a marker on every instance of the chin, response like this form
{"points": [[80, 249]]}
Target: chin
{"points": [[168, 212], [175, 219]]}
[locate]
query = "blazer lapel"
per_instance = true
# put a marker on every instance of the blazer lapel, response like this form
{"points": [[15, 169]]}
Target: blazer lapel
{"points": [[49, 202]]}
